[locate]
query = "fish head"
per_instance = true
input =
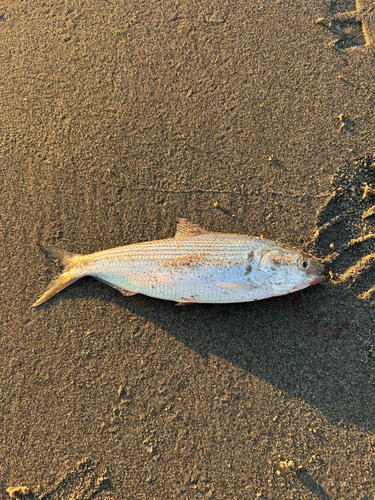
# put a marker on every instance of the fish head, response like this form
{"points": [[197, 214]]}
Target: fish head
{"points": [[286, 270]]}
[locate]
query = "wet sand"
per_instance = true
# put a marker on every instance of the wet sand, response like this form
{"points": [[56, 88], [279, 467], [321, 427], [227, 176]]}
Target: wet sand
{"points": [[247, 117]]}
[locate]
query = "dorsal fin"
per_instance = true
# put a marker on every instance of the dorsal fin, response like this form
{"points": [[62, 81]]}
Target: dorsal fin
{"points": [[186, 228]]}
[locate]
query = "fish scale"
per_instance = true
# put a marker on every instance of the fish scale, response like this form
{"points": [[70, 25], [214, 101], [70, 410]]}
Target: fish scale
{"points": [[194, 266], [175, 269]]}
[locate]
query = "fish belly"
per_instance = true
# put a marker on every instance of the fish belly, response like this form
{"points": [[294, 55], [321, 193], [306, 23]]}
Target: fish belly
{"points": [[214, 268]]}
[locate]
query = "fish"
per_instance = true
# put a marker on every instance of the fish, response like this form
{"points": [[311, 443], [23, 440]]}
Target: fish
{"points": [[195, 266]]}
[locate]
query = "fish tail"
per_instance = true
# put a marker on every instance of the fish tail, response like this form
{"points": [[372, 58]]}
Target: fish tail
{"points": [[71, 272]]}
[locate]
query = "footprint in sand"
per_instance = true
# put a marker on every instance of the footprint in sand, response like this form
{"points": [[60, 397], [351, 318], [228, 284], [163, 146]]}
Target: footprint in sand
{"points": [[346, 228], [83, 482]]}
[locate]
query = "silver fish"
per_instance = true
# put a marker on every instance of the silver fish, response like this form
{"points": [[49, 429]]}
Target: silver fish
{"points": [[194, 266]]}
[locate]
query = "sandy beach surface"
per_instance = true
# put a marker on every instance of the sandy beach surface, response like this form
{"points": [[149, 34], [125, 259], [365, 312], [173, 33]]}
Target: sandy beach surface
{"points": [[116, 119]]}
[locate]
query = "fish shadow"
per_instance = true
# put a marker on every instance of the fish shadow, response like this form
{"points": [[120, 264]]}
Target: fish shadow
{"points": [[305, 344], [315, 345]]}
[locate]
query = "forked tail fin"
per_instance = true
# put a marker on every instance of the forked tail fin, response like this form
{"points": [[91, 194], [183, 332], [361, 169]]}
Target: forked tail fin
{"points": [[70, 274]]}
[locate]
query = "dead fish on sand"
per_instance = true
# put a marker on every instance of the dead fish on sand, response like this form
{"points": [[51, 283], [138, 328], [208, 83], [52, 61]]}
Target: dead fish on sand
{"points": [[194, 266]]}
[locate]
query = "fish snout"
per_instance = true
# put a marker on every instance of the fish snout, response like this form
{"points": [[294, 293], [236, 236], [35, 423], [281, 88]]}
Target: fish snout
{"points": [[316, 271]]}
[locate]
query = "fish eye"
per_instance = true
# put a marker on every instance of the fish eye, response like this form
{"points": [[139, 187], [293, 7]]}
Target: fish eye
{"points": [[304, 263]]}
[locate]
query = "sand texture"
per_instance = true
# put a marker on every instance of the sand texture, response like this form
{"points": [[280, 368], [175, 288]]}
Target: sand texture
{"points": [[252, 117]]}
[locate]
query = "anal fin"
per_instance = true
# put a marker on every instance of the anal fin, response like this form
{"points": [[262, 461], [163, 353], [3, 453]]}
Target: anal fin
{"points": [[127, 293]]}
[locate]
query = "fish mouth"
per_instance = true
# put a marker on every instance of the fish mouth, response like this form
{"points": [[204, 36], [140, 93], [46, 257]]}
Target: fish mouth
{"points": [[318, 280]]}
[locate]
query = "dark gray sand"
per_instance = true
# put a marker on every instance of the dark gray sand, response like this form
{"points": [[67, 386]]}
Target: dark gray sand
{"points": [[244, 116]]}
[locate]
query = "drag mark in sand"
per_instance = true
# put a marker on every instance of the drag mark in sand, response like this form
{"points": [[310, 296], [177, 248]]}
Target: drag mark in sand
{"points": [[347, 228], [352, 274]]}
